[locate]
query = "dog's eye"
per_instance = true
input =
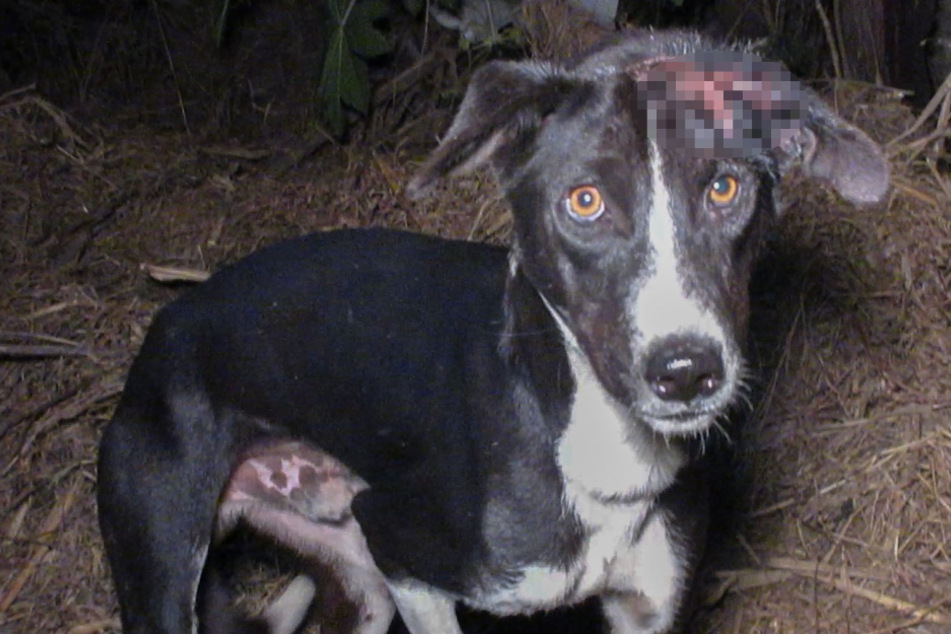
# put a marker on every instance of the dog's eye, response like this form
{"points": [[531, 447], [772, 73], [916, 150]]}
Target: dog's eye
{"points": [[723, 190], [585, 202]]}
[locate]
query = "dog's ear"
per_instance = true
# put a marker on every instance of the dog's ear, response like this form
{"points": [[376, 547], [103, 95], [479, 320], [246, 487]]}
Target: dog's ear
{"points": [[505, 101], [839, 154]]}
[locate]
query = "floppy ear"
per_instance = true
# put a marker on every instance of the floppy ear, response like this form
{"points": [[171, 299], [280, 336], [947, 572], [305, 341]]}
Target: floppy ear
{"points": [[504, 104], [839, 154]]}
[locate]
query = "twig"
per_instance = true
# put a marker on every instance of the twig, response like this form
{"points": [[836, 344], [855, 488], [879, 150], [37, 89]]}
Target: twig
{"points": [[48, 483], [57, 115], [14, 335], [17, 91], [314, 143], [914, 148], [504, 220], [749, 550], [166, 274], [36, 411], [930, 615], [830, 37], [736, 581], [905, 625], [60, 306], [479, 217], [839, 38], [811, 568], [824, 573], [940, 180], [50, 525], [83, 402], [914, 191], [243, 153], [60, 118], [741, 15], [939, 97], [404, 80], [96, 626], [772, 508], [917, 409], [27, 351], [171, 66]]}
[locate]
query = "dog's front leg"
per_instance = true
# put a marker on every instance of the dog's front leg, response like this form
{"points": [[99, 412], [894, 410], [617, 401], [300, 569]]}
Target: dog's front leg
{"points": [[631, 614], [653, 575], [424, 609]]}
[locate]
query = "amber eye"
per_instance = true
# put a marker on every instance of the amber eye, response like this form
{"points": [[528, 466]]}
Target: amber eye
{"points": [[585, 202], [723, 190]]}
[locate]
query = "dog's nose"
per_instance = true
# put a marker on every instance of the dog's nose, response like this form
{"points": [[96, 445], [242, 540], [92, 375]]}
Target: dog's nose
{"points": [[684, 368]]}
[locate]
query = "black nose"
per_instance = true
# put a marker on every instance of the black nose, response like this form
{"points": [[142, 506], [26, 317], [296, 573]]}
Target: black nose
{"points": [[683, 368]]}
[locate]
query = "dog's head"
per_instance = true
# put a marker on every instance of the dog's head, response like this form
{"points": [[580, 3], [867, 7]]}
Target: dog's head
{"points": [[643, 250]]}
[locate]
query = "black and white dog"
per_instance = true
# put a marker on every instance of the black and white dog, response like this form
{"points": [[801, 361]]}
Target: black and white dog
{"points": [[445, 422]]}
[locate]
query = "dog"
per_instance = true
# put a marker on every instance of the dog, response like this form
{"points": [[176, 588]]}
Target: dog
{"points": [[443, 422]]}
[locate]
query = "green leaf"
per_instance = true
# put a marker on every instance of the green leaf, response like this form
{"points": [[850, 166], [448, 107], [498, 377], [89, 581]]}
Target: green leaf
{"points": [[344, 78], [370, 11], [413, 7], [329, 90], [338, 9], [366, 40], [355, 84]]}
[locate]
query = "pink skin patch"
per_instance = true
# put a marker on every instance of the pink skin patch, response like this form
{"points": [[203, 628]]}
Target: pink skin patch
{"points": [[300, 497], [719, 104], [296, 477]]}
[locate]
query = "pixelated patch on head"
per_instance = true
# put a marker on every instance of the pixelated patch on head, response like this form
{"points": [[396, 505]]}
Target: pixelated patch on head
{"points": [[719, 104]]}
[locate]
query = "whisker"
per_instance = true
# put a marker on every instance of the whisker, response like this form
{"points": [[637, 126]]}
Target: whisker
{"points": [[722, 430]]}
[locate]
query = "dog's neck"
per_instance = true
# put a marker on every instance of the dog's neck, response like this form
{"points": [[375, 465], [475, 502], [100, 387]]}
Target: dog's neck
{"points": [[532, 343], [602, 449]]}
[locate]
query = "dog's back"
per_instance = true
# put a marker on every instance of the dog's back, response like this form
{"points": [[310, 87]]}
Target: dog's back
{"points": [[401, 306]]}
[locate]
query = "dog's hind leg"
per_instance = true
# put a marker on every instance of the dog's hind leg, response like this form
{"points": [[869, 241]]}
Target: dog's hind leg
{"points": [[300, 497], [161, 468]]}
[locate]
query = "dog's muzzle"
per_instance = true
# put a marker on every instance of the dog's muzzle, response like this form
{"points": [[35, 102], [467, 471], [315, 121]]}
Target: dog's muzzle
{"points": [[688, 384], [685, 369]]}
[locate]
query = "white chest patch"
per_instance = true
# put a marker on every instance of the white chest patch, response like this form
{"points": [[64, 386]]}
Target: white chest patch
{"points": [[627, 552], [603, 451], [609, 541], [606, 454], [612, 467]]}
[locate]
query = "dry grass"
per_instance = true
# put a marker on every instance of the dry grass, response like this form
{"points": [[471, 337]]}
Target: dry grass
{"points": [[849, 509], [848, 512]]}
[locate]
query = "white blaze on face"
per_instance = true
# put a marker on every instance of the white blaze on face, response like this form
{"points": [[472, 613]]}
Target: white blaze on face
{"points": [[660, 304]]}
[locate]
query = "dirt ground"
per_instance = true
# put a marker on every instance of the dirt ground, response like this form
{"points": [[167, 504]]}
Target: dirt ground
{"points": [[846, 517]]}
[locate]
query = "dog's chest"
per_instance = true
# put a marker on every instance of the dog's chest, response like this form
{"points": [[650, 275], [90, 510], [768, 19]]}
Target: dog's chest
{"points": [[602, 562]]}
